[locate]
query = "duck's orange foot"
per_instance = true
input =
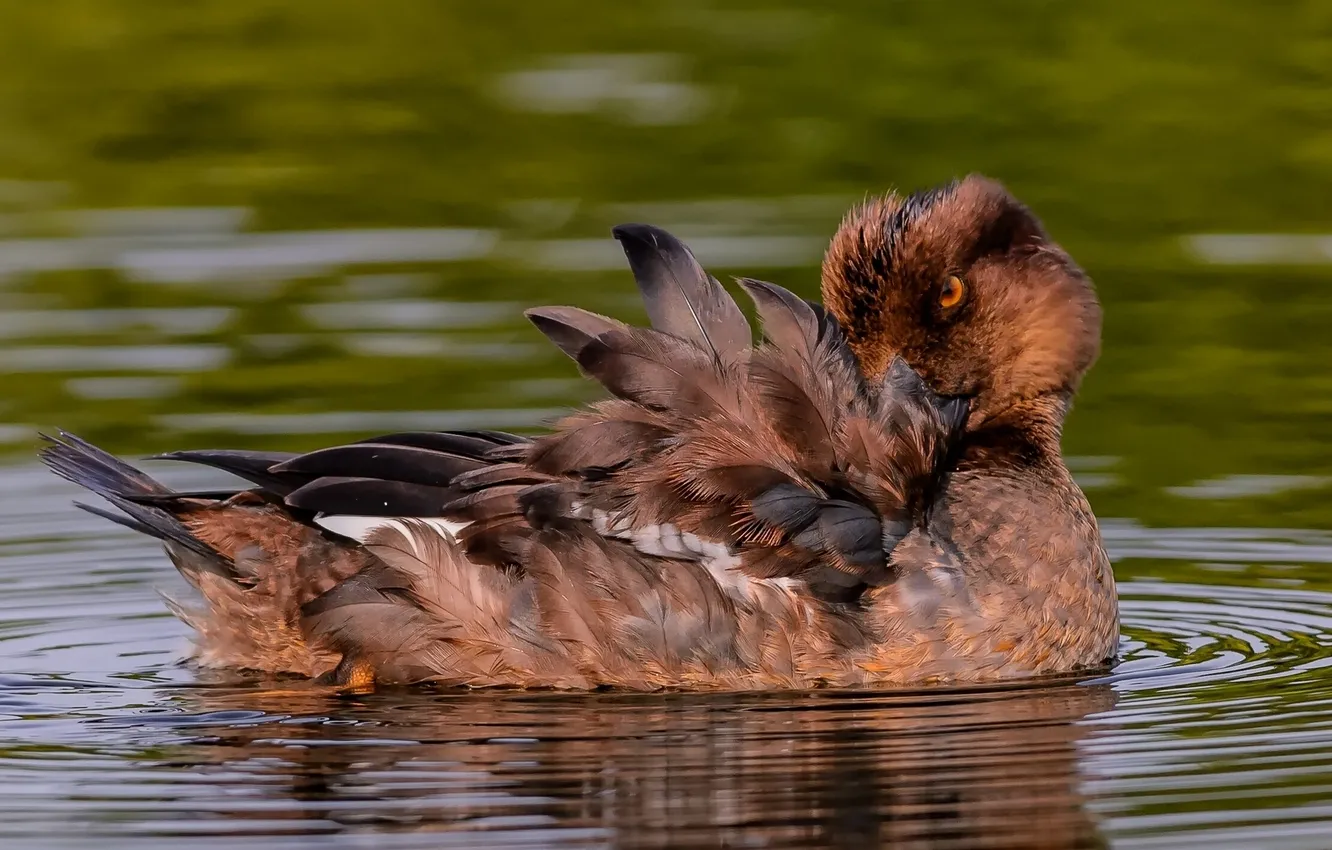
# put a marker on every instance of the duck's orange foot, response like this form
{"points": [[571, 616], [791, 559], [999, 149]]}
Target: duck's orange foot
{"points": [[354, 676]]}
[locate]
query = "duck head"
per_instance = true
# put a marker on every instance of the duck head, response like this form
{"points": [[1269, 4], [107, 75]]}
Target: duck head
{"points": [[964, 284]]}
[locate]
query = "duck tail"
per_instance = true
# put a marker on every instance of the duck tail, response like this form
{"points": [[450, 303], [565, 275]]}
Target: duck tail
{"points": [[252, 562], [145, 505]]}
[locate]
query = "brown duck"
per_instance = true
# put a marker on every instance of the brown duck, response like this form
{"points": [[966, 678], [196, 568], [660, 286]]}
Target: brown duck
{"points": [[872, 495]]}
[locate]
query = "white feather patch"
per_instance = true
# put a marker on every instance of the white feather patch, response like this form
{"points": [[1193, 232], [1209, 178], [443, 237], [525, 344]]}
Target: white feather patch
{"points": [[359, 527], [667, 541]]}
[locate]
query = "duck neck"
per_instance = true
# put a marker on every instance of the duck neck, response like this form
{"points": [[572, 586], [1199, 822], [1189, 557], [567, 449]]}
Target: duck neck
{"points": [[1022, 435]]}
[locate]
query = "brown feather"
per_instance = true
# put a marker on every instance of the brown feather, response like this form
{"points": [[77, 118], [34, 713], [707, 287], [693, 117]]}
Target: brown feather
{"points": [[570, 328], [500, 541], [592, 442], [797, 406], [498, 474], [681, 299], [501, 500], [789, 321], [566, 612], [657, 371]]}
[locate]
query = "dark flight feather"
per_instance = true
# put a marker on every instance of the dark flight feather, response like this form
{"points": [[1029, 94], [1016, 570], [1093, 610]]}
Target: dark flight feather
{"points": [[82, 463], [371, 497], [255, 467], [681, 298], [475, 444], [408, 464]]}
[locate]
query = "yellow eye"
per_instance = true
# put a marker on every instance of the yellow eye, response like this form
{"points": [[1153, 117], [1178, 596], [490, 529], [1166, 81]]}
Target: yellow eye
{"points": [[952, 292]]}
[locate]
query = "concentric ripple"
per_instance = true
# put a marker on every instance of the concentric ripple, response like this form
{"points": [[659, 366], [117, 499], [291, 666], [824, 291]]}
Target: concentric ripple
{"points": [[1191, 637], [1223, 734], [1214, 730]]}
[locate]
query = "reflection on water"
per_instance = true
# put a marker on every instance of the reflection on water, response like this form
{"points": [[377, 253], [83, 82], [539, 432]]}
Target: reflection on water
{"points": [[253, 224], [942, 771]]}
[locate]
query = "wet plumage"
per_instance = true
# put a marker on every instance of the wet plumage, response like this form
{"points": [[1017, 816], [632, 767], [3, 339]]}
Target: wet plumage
{"points": [[870, 493]]}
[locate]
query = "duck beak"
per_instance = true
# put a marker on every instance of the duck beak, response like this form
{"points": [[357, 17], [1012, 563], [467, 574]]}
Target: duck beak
{"points": [[954, 410]]}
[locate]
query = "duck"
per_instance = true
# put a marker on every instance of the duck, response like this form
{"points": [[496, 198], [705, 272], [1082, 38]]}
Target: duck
{"points": [[871, 494]]}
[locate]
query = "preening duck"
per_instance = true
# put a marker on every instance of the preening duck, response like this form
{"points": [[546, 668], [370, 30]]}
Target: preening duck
{"points": [[872, 494]]}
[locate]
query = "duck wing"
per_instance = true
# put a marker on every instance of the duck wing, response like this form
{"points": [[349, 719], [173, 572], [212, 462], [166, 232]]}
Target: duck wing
{"points": [[768, 460], [776, 460]]}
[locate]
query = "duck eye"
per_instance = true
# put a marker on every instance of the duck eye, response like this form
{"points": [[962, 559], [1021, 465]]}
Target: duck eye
{"points": [[952, 292]]}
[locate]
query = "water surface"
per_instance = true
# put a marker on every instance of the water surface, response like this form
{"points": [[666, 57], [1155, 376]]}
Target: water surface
{"points": [[253, 224]]}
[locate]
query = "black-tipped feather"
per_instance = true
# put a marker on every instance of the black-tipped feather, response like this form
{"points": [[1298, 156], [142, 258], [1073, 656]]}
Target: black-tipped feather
{"points": [[252, 466], [680, 297], [789, 321], [570, 328], [953, 412]]}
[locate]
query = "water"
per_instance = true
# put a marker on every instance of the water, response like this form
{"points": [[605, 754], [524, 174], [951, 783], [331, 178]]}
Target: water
{"points": [[243, 224]]}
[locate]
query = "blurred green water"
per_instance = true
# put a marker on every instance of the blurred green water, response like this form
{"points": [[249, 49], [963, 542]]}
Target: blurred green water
{"points": [[1128, 126]]}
